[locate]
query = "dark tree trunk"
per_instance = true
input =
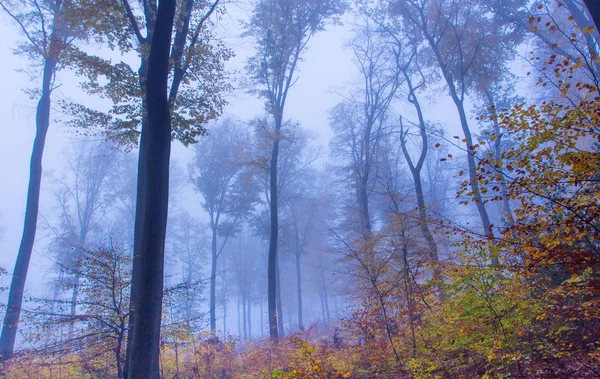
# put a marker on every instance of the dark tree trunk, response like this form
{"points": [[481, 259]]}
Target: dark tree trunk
{"points": [[119, 348], [363, 193], [272, 259], [213, 279], [145, 349], [17, 285], [139, 214], [363, 206], [279, 304]]}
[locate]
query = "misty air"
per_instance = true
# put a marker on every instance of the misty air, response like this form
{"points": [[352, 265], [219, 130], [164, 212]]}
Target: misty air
{"points": [[299, 189]]}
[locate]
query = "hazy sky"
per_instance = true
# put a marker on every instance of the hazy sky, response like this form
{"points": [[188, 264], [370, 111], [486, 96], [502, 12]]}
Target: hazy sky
{"points": [[325, 74]]}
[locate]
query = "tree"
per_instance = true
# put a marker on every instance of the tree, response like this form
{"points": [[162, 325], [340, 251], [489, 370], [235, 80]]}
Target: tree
{"points": [[153, 183], [82, 199], [192, 99], [188, 241], [281, 30], [194, 95], [304, 212], [550, 172], [294, 166], [50, 29], [97, 346], [359, 123], [469, 45], [218, 173]]}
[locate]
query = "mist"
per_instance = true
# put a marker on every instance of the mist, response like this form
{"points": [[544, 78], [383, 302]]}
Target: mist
{"points": [[299, 189]]}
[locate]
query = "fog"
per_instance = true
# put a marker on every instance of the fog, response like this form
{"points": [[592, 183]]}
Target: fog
{"points": [[371, 131]]}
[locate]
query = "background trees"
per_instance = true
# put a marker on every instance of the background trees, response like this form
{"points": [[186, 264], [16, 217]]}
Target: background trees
{"points": [[220, 176], [83, 199], [49, 31]]}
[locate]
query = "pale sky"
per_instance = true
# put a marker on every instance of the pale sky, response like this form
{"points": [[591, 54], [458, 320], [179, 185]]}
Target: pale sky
{"points": [[325, 74]]}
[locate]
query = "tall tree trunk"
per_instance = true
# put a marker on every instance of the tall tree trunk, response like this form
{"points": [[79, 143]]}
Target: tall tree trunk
{"points": [[299, 287], [244, 320], [224, 319], [279, 304], [485, 219], [325, 296], [497, 155], [239, 317], [272, 259], [363, 205], [140, 205], [213, 279], [458, 99], [249, 318], [17, 285], [145, 347], [262, 325]]}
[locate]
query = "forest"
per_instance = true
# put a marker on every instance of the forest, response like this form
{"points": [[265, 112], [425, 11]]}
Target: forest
{"points": [[300, 189]]}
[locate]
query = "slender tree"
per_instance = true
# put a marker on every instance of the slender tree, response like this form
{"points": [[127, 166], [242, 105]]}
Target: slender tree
{"points": [[469, 46], [281, 30], [50, 29], [83, 196], [219, 174]]}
